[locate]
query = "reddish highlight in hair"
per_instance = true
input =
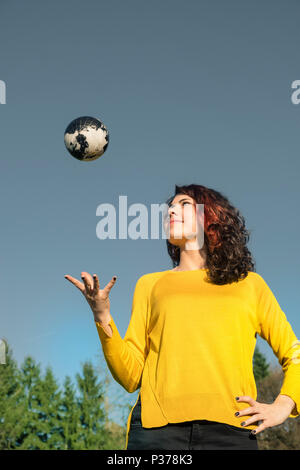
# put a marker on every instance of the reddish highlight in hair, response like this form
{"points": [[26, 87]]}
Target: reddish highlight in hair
{"points": [[225, 236]]}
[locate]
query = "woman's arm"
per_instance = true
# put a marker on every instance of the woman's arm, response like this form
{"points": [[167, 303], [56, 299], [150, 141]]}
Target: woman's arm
{"points": [[126, 357], [286, 402], [105, 324], [273, 326]]}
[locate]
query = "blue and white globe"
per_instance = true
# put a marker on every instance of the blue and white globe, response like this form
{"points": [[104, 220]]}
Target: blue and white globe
{"points": [[86, 138]]}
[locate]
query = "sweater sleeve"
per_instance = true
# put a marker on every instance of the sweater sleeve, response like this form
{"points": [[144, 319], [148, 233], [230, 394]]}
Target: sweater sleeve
{"points": [[126, 357], [277, 331]]}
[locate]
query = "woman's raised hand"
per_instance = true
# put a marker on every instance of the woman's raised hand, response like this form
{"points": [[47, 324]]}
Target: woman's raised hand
{"points": [[97, 299]]}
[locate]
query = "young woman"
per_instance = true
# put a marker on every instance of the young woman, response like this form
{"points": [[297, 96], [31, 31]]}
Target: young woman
{"points": [[191, 337]]}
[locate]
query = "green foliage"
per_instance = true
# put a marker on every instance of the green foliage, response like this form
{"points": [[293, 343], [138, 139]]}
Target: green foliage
{"points": [[35, 414], [12, 403], [91, 415], [70, 416], [260, 365]]}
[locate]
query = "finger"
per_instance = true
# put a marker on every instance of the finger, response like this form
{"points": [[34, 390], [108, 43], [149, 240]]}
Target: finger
{"points": [[110, 284], [246, 411], [247, 400], [75, 281], [259, 429], [253, 419], [96, 284], [86, 277]]}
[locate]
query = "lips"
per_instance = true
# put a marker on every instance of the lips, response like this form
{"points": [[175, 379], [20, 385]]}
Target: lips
{"points": [[174, 220]]}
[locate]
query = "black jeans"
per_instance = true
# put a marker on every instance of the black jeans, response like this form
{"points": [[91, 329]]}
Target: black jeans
{"points": [[188, 435]]}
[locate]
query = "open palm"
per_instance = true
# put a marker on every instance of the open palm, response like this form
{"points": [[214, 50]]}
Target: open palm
{"points": [[97, 299]]}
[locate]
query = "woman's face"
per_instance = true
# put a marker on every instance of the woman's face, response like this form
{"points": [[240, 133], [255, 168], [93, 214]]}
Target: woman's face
{"points": [[181, 220]]}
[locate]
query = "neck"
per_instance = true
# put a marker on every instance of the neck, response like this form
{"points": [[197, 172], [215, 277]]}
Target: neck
{"points": [[191, 260]]}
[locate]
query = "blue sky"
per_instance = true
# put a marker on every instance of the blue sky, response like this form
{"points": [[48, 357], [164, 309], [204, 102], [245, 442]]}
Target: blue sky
{"points": [[195, 93]]}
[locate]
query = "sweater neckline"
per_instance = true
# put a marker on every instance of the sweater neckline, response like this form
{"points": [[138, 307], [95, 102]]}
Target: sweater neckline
{"points": [[187, 270]]}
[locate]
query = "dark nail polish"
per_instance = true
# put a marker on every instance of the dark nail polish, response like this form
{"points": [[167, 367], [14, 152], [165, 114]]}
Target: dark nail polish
{"points": [[236, 414], [253, 432], [236, 398], [243, 423]]}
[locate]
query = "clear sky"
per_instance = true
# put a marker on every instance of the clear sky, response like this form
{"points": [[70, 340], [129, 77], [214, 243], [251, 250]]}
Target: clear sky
{"points": [[195, 92]]}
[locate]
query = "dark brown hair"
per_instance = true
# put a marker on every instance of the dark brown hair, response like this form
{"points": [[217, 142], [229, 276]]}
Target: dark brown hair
{"points": [[225, 236]]}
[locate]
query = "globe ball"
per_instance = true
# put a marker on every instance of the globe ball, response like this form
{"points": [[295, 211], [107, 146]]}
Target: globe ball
{"points": [[86, 138]]}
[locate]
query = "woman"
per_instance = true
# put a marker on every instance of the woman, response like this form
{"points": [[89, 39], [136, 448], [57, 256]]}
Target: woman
{"points": [[192, 332]]}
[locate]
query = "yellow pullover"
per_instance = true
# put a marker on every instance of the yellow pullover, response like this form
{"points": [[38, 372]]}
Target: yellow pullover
{"points": [[189, 347]]}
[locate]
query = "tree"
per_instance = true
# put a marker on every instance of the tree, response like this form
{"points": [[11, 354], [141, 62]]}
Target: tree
{"points": [[260, 365], [70, 416], [46, 403], [42, 420], [92, 416], [12, 403], [35, 414]]}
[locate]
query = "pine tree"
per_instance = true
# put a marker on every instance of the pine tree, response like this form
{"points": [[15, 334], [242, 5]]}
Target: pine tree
{"points": [[30, 379], [70, 413], [35, 415], [12, 403], [260, 365], [42, 427], [47, 405], [93, 434]]}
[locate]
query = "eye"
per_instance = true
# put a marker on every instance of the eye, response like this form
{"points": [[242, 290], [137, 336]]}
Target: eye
{"points": [[183, 203]]}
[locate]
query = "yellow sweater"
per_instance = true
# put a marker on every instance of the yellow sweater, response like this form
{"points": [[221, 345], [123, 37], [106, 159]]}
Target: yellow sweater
{"points": [[189, 347]]}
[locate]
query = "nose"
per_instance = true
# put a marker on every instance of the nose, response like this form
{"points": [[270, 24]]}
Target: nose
{"points": [[173, 212]]}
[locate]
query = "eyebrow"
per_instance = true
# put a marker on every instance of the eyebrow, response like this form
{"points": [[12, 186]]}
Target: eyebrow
{"points": [[181, 200]]}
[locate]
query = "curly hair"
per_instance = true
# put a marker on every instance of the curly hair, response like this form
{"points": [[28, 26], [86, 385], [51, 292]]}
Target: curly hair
{"points": [[225, 236]]}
